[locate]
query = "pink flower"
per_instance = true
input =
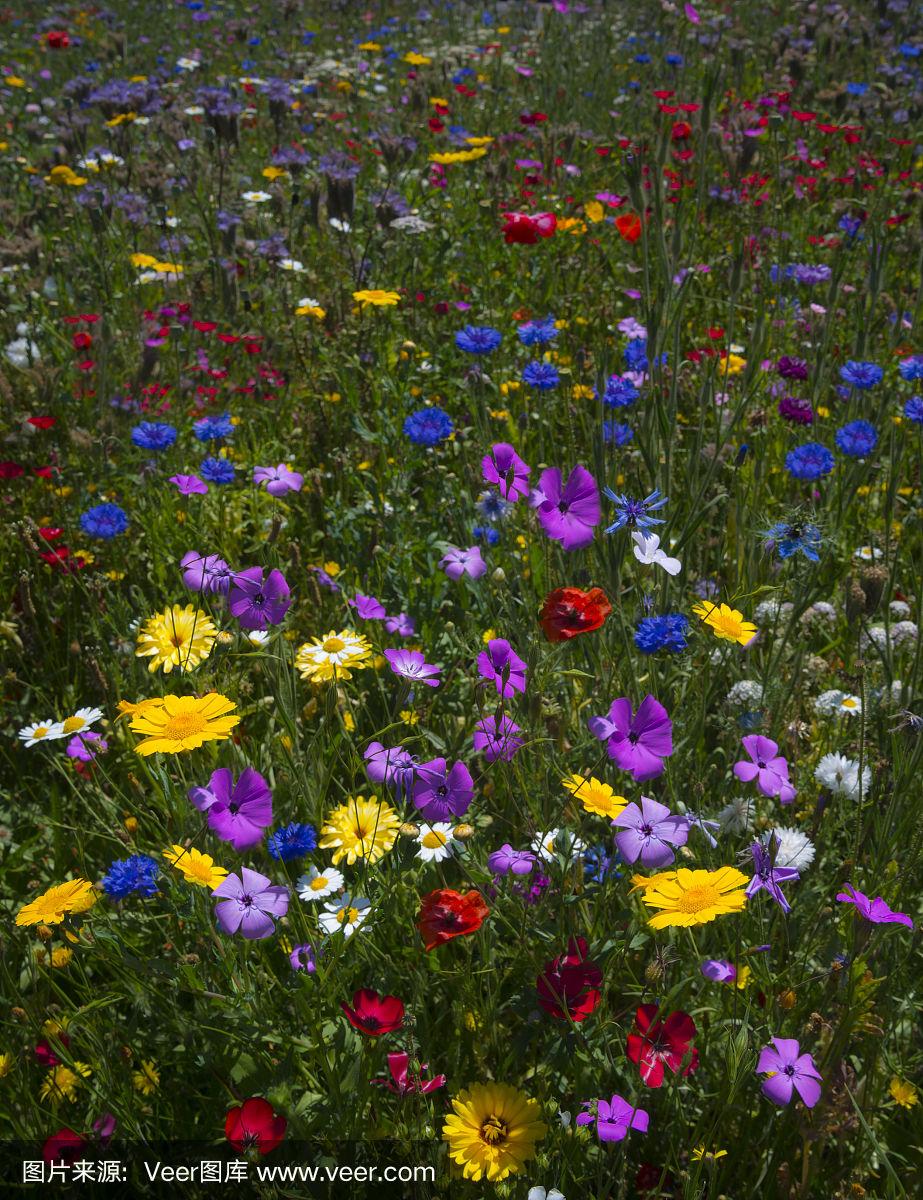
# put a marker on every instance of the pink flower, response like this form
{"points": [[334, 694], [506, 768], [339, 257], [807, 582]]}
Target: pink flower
{"points": [[501, 664], [403, 1082], [507, 470], [469, 562], [568, 512], [766, 766], [278, 480], [411, 664]]}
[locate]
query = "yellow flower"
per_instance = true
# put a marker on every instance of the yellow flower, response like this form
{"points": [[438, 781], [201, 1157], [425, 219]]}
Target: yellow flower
{"points": [[377, 297], [127, 709], [64, 176], [695, 897], [595, 796], [369, 47], [640, 883], [52, 906], [458, 156], [417, 60], [6, 1064], [197, 868], [142, 260], [492, 1130], [593, 211], [333, 657], [184, 723], [903, 1092], [146, 1078], [176, 637], [408, 717], [734, 364], [726, 622], [360, 828], [479, 141], [582, 392], [61, 957], [311, 310], [274, 172], [699, 1152], [61, 1082]]}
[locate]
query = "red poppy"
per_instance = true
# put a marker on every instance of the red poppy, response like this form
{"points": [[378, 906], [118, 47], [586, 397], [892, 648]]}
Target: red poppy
{"points": [[525, 230], [57, 39], [11, 470], [403, 1083], [662, 1043], [445, 914], [254, 1126], [372, 1014], [629, 226], [41, 422], [567, 612], [570, 985], [680, 131], [64, 1146]]}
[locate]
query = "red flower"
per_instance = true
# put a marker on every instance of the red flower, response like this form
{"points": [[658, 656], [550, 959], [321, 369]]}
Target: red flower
{"points": [[570, 984], [660, 1043], [445, 914], [525, 230], [629, 226], [64, 1146], [41, 422], [402, 1083], [11, 470], [372, 1014], [254, 1126], [567, 612], [680, 131], [58, 39]]}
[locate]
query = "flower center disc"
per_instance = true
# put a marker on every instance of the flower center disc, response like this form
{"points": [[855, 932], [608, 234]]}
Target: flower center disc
{"points": [[184, 725], [493, 1131], [697, 899]]}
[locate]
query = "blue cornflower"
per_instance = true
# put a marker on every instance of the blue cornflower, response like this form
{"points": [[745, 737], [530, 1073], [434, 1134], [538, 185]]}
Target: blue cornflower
{"points": [[153, 435], [911, 368], [913, 409], [486, 533], [217, 470], [292, 841], [427, 426], [619, 393], [212, 429], [850, 225], [857, 89], [538, 333], [674, 60], [478, 339], [541, 375], [667, 632], [857, 439], [635, 514], [493, 507], [788, 538], [619, 435], [810, 461], [862, 375], [135, 874], [600, 863], [104, 521], [635, 355]]}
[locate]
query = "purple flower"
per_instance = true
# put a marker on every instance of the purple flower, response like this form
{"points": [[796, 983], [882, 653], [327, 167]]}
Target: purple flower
{"points": [[614, 1118], [506, 469], [638, 742], [278, 480], [237, 812], [205, 573], [649, 832], [875, 910], [248, 903], [189, 485], [304, 958], [497, 737], [767, 767], [256, 603], [402, 625], [368, 608], [767, 877], [85, 746], [718, 970], [394, 766], [791, 1071], [324, 579], [501, 664], [507, 861], [457, 562], [570, 513], [439, 792], [410, 664]]}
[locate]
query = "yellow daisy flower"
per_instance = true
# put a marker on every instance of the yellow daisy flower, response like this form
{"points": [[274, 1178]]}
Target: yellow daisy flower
{"points": [[52, 906], [177, 637], [448, 157], [376, 297], [61, 1082], [184, 723], [695, 897], [198, 868], [147, 1078], [726, 622], [595, 796], [360, 828], [333, 657], [903, 1091], [492, 1130]]}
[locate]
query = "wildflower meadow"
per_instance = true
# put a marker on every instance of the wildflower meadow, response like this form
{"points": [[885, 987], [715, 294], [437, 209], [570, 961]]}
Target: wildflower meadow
{"points": [[461, 729]]}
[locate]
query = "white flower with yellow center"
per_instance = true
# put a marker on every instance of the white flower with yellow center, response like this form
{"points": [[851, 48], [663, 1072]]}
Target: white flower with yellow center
{"points": [[436, 842], [82, 719], [41, 731], [345, 914], [556, 842], [317, 885], [256, 197]]}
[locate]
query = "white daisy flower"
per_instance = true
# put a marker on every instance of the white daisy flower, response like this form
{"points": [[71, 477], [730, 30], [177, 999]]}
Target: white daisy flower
{"points": [[436, 842], [340, 226], [316, 885], [557, 841], [188, 64], [291, 264], [256, 197], [738, 816], [868, 553], [41, 731], [82, 719], [344, 915], [840, 775], [837, 701], [257, 637], [795, 849]]}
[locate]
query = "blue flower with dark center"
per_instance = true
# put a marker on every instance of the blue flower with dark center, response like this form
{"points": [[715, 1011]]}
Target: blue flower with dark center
{"points": [[862, 375], [293, 841], [104, 521], [620, 392], [136, 874], [478, 339], [913, 409], [616, 434], [213, 429], [427, 426], [217, 470], [153, 435], [810, 461], [635, 514], [788, 539], [538, 333], [541, 375], [857, 439], [667, 632]]}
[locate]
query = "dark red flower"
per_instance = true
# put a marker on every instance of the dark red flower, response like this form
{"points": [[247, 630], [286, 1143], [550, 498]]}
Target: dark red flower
{"points": [[525, 230], [568, 612], [11, 470], [445, 914], [372, 1014], [570, 984], [402, 1082], [680, 131], [662, 1043], [58, 39], [254, 1126], [64, 1146]]}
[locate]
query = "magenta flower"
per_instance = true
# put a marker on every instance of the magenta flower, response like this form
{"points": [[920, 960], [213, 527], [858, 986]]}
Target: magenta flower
{"points": [[278, 480], [638, 742], [719, 970], [248, 902], [613, 1118], [875, 910], [791, 1072], [506, 469], [189, 485], [766, 766], [501, 664], [402, 625], [469, 562], [85, 746], [410, 664], [648, 833], [767, 876], [570, 513], [237, 812], [497, 737], [257, 603], [394, 766], [507, 861], [304, 958], [440, 792], [368, 608], [404, 1083], [205, 572]]}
